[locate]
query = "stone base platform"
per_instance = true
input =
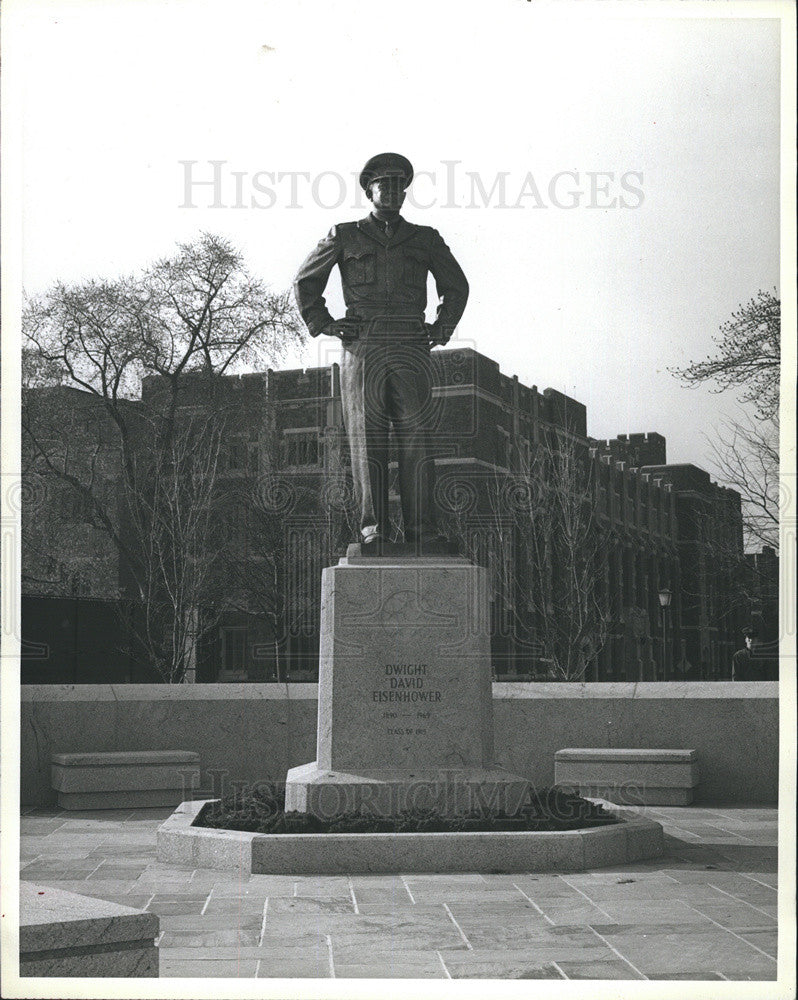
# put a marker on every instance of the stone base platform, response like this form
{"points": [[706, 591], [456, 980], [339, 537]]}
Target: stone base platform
{"points": [[180, 843], [387, 792], [629, 777], [391, 551], [64, 934]]}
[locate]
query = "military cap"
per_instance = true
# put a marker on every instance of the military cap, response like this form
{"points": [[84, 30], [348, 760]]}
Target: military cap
{"points": [[386, 165], [751, 632]]}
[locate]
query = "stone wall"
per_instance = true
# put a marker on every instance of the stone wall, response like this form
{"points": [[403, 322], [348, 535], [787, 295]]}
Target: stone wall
{"points": [[249, 732]]}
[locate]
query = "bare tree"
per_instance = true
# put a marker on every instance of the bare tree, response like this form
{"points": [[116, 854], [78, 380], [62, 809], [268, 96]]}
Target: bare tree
{"points": [[746, 448], [562, 544], [258, 563], [171, 528], [189, 319], [748, 355], [746, 457], [71, 456], [544, 542], [289, 523]]}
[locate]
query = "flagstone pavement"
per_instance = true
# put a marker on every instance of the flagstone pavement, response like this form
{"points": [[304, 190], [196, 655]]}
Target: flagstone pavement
{"points": [[706, 910]]}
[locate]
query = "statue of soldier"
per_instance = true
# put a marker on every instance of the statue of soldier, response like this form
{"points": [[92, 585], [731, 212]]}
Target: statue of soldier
{"points": [[386, 369]]}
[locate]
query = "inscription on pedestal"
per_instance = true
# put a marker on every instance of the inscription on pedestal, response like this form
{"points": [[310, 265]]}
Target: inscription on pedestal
{"points": [[405, 686]]}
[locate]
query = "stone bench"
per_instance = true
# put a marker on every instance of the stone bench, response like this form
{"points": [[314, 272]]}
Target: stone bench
{"points": [[130, 779], [64, 934], [630, 777]]}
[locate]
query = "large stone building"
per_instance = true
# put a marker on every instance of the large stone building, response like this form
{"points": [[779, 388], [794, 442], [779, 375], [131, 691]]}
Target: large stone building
{"points": [[282, 475], [709, 608]]}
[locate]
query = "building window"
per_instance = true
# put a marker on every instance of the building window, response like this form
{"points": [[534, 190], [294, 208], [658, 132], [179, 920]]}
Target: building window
{"points": [[526, 455], [301, 448], [237, 453], [235, 522], [234, 652], [502, 447], [617, 486]]}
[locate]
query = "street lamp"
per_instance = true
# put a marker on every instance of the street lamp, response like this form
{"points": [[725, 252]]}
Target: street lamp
{"points": [[665, 596]]}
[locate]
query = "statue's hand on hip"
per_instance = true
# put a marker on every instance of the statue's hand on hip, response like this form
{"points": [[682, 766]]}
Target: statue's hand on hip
{"points": [[434, 335], [346, 330]]}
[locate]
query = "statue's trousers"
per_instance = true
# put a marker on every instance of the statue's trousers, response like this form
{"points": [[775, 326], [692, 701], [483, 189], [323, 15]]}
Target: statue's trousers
{"points": [[387, 380]]}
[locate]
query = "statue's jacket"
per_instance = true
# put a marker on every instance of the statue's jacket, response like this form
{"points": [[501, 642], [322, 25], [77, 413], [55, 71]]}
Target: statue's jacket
{"points": [[384, 280]]}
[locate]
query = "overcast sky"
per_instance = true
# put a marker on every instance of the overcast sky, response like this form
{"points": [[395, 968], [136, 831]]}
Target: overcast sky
{"points": [[662, 133]]}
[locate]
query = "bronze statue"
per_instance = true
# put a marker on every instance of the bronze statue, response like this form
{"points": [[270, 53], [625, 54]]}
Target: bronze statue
{"points": [[386, 370]]}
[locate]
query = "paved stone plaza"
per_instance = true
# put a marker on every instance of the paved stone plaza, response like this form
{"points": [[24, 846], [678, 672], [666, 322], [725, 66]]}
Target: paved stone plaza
{"points": [[706, 910]]}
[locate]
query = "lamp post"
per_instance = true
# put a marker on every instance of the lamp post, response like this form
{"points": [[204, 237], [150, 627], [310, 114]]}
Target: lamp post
{"points": [[665, 596]]}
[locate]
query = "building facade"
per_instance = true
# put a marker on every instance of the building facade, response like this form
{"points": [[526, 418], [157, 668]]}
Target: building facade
{"points": [[505, 453], [706, 560]]}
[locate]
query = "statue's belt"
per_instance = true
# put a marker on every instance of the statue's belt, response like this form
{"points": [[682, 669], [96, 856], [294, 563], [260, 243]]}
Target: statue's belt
{"points": [[414, 324]]}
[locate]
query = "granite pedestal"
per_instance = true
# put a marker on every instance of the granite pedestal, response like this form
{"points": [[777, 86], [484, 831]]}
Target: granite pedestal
{"points": [[405, 716]]}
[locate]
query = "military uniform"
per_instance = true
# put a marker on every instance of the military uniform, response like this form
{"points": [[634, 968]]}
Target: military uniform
{"points": [[746, 665], [386, 371]]}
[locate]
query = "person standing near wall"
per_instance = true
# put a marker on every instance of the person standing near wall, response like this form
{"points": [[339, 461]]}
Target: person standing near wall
{"points": [[746, 665]]}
